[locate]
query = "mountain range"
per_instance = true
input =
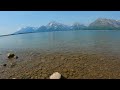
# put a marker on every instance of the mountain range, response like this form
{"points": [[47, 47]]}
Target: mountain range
{"points": [[98, 24]]}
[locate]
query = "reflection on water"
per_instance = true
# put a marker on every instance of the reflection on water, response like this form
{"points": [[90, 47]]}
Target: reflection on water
{"points": [[104, 40]]}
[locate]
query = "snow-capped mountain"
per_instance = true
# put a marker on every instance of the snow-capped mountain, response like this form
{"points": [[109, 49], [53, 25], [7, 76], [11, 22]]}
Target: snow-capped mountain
{"points": [[41, 29], [55, 26], [100, 23], [52, 26], [78, 26], [26, 30], [103, 23]]}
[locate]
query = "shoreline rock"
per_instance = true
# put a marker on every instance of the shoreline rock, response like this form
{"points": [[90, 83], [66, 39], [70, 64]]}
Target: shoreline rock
{"points": [[4, 65], [10, 55], [16, 57], [56, 75]]}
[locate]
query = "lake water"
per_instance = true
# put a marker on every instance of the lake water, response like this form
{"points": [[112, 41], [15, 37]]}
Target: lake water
{"points": [[90, 40]]}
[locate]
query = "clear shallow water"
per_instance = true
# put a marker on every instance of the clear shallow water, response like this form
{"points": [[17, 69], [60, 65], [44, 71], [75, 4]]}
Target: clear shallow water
{"points": [[89, 40]]}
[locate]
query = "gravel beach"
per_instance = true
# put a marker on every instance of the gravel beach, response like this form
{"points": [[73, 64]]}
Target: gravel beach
{"points": [[38, 64]]}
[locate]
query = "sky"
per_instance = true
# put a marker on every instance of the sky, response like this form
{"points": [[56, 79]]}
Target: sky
{"points": [[11, 21]]}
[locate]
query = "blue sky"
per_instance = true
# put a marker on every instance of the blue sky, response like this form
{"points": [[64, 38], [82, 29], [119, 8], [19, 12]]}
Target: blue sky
{"points": [[11, 21]]}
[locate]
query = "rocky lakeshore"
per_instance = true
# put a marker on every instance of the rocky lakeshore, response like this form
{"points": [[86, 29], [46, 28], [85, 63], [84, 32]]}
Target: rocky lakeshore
{"points": [[71, 65]]}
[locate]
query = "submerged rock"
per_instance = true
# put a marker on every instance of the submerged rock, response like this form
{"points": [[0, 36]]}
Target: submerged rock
{"points": [[16, 57], [10, 55], [55, 75], [4, 65]]}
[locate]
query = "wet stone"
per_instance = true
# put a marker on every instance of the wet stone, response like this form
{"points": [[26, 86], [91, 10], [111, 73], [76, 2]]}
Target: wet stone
{"points": [[10, 55], [16, 57], [4, 65]]}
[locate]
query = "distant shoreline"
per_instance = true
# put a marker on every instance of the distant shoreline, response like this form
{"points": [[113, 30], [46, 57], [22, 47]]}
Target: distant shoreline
{"points": [[48, 31]]}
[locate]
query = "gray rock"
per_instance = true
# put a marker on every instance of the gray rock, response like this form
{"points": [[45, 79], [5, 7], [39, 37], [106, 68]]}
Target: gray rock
{"points": [[55, 75]]}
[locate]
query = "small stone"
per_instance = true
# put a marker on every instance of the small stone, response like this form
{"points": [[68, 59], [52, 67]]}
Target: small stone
{"points": [[13, 78], [101, 58], [12, 64], [16, 57], [62, 58], [72, 70], [55, 75], [32, 78], [70, 74], [42, 77], [2, 71], [10, 55], [65, 70], [4, 65], [36, 77]]}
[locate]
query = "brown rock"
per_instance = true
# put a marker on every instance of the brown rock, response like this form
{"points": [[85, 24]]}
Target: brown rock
{"points": [[10, 55]]}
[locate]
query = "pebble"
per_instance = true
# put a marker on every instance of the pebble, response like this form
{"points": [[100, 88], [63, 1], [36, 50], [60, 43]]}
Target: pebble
{"points": [[16, 57], [70, 74], [55, 75], [13, 78], [65, 70], [2, 71], [12, 64], [4, 64], [62, 58], [32, 78]]}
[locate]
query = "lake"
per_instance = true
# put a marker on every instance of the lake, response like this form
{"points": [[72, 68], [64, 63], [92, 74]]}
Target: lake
{"points": [[83, 54], [107, 41]]}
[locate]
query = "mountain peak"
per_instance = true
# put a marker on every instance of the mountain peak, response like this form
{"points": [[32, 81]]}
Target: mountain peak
{"points": [[98, 24], [105, 19], [102, 19], [103, 23], [53, 23], [78, 24]]}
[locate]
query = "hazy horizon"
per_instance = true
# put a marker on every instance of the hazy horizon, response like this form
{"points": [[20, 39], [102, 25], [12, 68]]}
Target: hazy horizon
{"points": [[11, 21]]}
